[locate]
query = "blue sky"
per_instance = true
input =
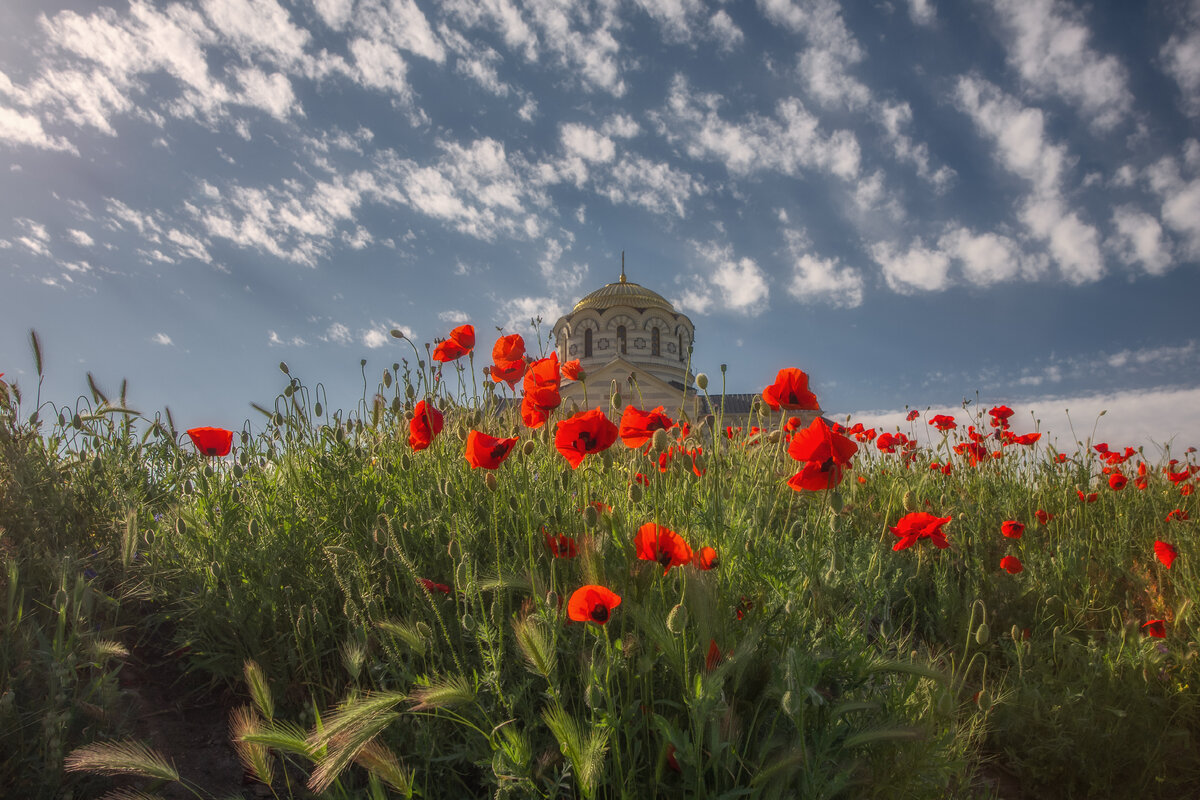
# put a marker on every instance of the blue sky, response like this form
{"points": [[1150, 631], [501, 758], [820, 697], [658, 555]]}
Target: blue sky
{"points": [[916, 201]]}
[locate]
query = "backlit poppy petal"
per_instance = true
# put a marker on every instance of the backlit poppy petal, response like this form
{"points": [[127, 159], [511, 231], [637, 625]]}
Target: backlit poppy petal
{"points": [[592, 603], [424, 426], [790, 391], [1012, 529], [657, 543], [637, 426], [486, 451], [1166, 553], [212, 441], [584, 433], [1011, 564], [1156, 628]]}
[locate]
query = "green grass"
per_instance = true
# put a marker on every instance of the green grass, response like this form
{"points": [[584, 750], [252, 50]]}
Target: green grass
{"points": [[813, 662]]}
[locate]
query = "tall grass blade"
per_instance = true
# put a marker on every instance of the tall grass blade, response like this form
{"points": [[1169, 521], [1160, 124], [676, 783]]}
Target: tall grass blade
{"points": [[120, 758]]}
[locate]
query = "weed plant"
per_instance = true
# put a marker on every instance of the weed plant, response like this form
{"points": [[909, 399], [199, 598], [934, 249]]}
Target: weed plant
{"points": [[398, 620]]}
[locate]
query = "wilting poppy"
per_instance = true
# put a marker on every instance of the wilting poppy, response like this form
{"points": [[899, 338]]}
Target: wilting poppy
{"points": [[638, 427], [432, 587], [912, 415], [1043, 517], [1012, 529], [461, 342], [657, 543], [826, 454], [942, 422], [571, 370], [560, 546], [1156, 628], [706, 558], [1011, 564], [424, 426], [487, 451], [920, 525], [1177, 514], [212, 441], [1117, 481], [1166, 553], [1087, 498], [592, 603], [584, 433], [790, 391]]}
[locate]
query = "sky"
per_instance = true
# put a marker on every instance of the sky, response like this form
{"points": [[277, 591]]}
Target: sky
{"points": [[918, 202]]}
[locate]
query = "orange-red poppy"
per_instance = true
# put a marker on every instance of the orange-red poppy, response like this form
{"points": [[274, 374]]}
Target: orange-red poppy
{"points": [[1011, 564], [508, 348], [1087, 498], [508, 371], [592, 603], [1043, 517], [432, 587], [912, 415], [424, 426], [706, 558], [584, 433], [1177, 514], [826, 454], [1012, 529], [655, 542], [560, 546], [790, 391], [542, 382], [1000, 415], [1166, 553], [943, 422], [461, 342], [1156, 628], [212, 441], [1117, 481], [638, 427], [572, 371], [918, 525], [487, 451], [713, 658]]}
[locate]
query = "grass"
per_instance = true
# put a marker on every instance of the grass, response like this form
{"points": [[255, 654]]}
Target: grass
{"points": [[305, 571]]}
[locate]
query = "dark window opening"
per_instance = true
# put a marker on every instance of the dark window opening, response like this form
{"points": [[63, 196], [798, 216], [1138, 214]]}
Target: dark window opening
{"points": [[587, 343], [621, 339], [655, 343]]}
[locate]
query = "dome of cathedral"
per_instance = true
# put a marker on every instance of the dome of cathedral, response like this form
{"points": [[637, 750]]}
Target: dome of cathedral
{"points": [[624, 293]]}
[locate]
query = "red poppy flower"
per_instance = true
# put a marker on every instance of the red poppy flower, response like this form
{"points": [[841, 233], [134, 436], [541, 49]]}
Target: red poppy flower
{"points": [[912, 415], [1012, 529], [1186, 490], [1117, 481], [1043, 517], [642, 479], [508, 371], [560, 546], [713, 658], [508, 348], [212, 441], [657, 543], [572, 371], [1026, 439], [888, 442], [942, 422], [1087, 498], [1000, 415], [826, 454], [432, 587], [672, 762], [542, 382], [424, 426], [1177, 514], [592, 603], [583, 433], [790, 391], [918, 525], [487, 451], [461, 342], [1177, 477], [1011, 564], [1156, 628], [1166, 553], [638, 427], [706, 558]]}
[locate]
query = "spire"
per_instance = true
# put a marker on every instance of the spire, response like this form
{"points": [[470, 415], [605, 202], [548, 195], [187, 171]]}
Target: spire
{"points": [[622, 266]]}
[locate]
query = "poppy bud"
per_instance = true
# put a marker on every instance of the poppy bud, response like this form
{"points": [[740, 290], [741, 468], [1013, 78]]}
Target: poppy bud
{"points": [[208, 470], [590, 516], [677, 619], [635, 492], [287, 390], [397, 333], [982, 634], [774, 436], [910, 500], [468, 623], [425, 631], [283, 367], [188, 486], [238, 471], [593, 696], [983, 699], [789, 701], [661, 441], [701, 381], [1015, 633], [410, 392], [615, 402], [76, 422], [835, 502], [528, 447], [253, 527], [387, 379]]}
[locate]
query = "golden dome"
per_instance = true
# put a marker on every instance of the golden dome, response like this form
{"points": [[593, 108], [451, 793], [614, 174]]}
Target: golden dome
{"points": [[624, 293]]}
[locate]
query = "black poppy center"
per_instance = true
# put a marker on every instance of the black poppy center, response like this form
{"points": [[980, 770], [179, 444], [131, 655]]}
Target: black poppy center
{"points": [[587, 439], [664, 558], [210, 451], [792, 398], [827, 465], [600, 613], [499, 450]]}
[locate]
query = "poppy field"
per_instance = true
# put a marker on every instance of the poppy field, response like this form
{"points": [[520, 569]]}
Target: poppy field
{"points": [[465, 588]]}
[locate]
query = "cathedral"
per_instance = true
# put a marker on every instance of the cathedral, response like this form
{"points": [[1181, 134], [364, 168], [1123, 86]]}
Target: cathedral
{"points": [[627, 333]]}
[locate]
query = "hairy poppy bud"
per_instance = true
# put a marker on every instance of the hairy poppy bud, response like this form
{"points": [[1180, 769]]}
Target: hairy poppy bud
{"points": [[774, 436], [552, 601], [982, 634], [910, 500], [635, 492], [397, 333], [789, 702], [835, 502], [593, 696], [701, 381], [283, 367], [468, 623], [528, 447], [616, 401], [677, 619], [661, 441], [590, 516], [490, 481], [387, 379], [253, 527]]}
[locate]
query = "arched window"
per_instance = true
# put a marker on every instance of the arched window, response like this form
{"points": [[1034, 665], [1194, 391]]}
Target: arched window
{"points": [[587, 343], [621, 339], [655, 343], [681, 353]]}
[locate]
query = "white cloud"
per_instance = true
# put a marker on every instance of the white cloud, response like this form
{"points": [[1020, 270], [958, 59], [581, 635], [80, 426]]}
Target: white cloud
{"points": [[454, 316], [586, 143], [733, 284], [258, 27], [334, 13], [1180, 201], [820, 280], [519, 311], [503, 15], [727, 34], [918, 268], [922, 12], [189, 246], [27, 129], [271, 93], [1074, 245], [275, 340], [80, 238], [589, 50], [1181, 59], [989, 258], [1139, 239], [1048, 45], [162, 338], [622, 126], [655, 186], [401, 24], [338, 334], [380, 66], [374, 338]]}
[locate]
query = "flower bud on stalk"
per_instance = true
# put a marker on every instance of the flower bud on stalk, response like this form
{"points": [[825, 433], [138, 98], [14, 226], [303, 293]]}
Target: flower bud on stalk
{"points": [[701, 381], [677, 619]]}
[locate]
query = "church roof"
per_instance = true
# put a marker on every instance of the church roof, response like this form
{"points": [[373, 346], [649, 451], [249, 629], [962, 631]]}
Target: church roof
{"points": [[624, 293]]}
